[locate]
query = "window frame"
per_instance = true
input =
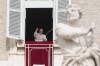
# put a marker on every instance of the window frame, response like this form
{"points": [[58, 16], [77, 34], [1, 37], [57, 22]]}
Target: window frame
{"points": [[34, 4]]}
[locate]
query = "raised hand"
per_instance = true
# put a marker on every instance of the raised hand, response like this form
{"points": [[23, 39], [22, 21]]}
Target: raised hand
{"points": [[37, 29]]}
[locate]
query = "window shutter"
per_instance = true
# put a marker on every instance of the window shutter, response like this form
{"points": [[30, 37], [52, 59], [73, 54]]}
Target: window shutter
{"points": [[61, 7], [62, 4], [59, 13], [13, 19]]}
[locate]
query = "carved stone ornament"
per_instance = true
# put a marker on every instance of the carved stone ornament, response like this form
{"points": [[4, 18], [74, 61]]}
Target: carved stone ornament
{"points": [[76, 43]]}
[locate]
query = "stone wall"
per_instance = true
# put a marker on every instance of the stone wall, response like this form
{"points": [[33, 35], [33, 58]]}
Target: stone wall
{"points": [[3, 53], [90, 13]]}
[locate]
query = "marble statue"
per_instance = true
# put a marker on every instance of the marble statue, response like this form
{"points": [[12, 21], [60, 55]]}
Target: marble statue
{"points": [[76, 42]]}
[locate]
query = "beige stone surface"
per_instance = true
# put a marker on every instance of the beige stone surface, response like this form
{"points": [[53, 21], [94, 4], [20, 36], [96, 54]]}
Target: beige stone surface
{"points": [[2, 6], [90, 13], [3, 53]]}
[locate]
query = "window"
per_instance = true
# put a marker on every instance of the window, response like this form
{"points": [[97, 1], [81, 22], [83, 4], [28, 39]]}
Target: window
{"points": [[16, 14]]}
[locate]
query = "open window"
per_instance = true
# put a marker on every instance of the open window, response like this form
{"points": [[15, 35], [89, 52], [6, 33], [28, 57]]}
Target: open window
{"points": [[38, 14], [16, 14], [38, 22]]}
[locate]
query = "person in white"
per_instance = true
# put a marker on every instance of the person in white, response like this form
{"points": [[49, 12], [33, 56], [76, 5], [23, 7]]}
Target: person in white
{"points": [[77, 50], [39, 36]]}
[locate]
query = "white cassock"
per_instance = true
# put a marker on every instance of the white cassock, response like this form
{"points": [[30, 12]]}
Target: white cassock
{"points": [[75, 54], [39, 37]]}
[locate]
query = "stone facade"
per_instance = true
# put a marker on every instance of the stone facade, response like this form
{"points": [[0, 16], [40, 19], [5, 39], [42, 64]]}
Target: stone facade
{"points": [[90, 13], [3, 53]]}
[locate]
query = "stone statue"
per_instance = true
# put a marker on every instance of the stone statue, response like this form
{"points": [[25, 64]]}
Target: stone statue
{"points": [[76, 42]]}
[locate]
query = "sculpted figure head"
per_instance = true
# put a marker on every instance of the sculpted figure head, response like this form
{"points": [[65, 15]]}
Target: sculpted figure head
{"points": [[73, 13]]}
